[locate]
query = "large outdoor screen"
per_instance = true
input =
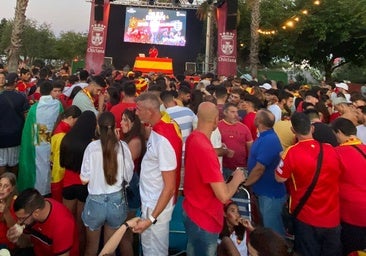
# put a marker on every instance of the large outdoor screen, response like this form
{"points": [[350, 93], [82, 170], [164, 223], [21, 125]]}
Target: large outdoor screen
{"points": [[155, 26]]}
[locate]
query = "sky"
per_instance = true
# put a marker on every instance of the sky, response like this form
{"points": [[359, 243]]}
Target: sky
{"points": [[61, 15]]}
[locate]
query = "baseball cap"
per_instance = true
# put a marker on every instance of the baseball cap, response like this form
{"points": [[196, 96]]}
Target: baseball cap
{"points": [[342, 85], [266, 86], [11, 78], [340, 100]]}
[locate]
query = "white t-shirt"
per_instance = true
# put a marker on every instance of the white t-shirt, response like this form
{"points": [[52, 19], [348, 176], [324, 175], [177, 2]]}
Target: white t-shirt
{"points": [[361, 133], [68, 90], [92, 169], [160, 156], [242, 247], [276, 111]]}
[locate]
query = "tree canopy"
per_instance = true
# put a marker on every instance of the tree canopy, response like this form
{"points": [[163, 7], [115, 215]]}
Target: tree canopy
{"points": [[334, 29], [39, 42]]}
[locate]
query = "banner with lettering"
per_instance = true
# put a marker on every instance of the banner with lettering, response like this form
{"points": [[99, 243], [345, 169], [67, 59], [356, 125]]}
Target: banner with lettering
{"points": [[226, 45], [97, 38]]}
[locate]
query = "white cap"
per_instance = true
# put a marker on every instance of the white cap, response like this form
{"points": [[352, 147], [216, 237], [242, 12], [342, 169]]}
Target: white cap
{"points": [[342, 85], [205, 82], [266, 86], [340, 100]]}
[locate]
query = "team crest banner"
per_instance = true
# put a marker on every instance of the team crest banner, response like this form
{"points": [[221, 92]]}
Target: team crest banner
{"points": [[226, 45], [97, 38]]}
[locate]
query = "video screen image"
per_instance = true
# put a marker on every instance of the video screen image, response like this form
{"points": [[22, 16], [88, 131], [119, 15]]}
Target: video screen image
{"points": [[155, 26]]}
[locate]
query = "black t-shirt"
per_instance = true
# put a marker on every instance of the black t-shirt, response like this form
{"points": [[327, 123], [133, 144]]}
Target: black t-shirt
{"points": [[13, 104]]}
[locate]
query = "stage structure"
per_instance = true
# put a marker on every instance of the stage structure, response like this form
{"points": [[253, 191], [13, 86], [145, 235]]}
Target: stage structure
{"points": [[124, 31], [128, 29]]}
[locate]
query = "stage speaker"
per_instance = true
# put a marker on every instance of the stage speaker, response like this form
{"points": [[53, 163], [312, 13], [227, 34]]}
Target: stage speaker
{"points": [[190, 68], [108, 62], [231, 21], [100, 2], [98, 12]]}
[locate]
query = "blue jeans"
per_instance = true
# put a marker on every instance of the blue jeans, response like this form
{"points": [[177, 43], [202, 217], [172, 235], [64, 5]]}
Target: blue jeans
{"points": [[200, 242], [271, 211], [110, 209], [314, 241]]}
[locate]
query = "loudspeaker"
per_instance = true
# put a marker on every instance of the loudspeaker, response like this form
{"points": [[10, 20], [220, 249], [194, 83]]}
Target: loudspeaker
{"points": [[98, 12], [100, 2], [232, 6], [231, 21], [108, 62], [190, 68]]}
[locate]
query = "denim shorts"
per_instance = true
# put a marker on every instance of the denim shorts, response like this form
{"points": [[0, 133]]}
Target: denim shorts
{"points": [[110, 209]]}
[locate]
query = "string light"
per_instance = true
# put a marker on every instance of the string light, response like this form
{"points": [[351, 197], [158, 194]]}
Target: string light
{"points": [[266, 32], [289, 23]]}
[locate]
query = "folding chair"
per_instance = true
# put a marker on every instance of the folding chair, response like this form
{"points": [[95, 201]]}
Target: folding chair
{"points": [[177, 232], [242, 199]]}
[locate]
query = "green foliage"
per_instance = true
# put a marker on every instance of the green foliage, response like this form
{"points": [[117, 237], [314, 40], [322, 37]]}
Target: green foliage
{"points": [[353, 73], [39, 42], [71, 45], [335, 28]]}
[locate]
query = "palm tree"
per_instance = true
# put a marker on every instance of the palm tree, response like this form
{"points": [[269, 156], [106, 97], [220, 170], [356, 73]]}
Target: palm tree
{"points": [[16, 40], [254, 37], [207, 12]]}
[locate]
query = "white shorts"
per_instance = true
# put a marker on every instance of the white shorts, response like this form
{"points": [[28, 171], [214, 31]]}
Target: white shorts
{"points": [[155, 239], [9, 156]]}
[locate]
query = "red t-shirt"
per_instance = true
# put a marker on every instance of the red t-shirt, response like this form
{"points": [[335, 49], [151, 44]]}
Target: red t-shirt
{"points": [[352, 184], [22, 86], [202, 168], [57, 234], [71, 178], [235, 137], [4, 228], [118, 109], [299, 164], [248, 120]]}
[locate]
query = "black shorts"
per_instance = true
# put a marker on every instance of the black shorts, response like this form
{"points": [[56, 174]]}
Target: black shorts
{"points": [[79, 192]]}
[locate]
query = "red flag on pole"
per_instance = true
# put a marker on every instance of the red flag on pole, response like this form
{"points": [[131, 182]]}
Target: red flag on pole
{"points": [[97, 39], [226, 44]]}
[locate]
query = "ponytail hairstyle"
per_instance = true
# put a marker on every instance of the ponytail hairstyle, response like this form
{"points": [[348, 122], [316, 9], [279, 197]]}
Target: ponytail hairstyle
{"points": [[110, 144]]}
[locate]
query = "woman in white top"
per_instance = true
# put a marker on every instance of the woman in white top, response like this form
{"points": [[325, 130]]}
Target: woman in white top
{"points": [[107, 163], [233, 238]]}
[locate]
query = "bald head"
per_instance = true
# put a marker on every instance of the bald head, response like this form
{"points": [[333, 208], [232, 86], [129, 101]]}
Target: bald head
{"points": [[265, 119], [207, 112]]}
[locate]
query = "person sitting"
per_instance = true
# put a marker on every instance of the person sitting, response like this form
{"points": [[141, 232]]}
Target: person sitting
{"points": [[7, 215], [50, 225], [266, 242], [234, 235]]}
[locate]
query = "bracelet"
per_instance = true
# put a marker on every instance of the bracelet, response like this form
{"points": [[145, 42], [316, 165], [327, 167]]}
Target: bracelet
{"points": [[126, 224]]}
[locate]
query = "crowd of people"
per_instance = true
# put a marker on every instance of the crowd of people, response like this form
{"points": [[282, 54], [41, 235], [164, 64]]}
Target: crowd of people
{"points": [[88, 152]]}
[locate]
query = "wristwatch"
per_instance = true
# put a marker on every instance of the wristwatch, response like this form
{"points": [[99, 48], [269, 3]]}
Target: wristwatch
{"points": [[126, 224], [152, 219]]}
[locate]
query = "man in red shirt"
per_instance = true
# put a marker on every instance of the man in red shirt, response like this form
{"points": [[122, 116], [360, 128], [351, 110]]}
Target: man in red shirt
{"points": [[153, 52], [352, 185], [317, 226], [237, 137], [128, 101], [23, 84], [50, 224], [204, 187]]}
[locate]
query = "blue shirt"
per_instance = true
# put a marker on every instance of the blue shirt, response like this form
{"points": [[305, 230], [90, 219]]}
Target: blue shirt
{"points": [[266, 150]]}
